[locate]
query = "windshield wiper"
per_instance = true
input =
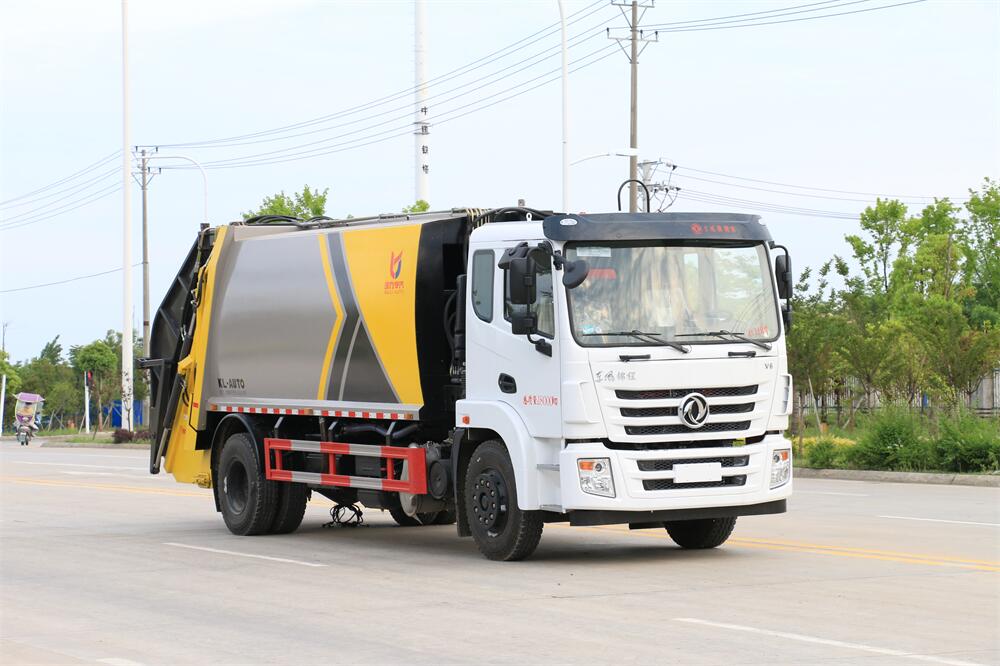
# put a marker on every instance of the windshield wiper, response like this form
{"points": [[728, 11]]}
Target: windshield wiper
{"points": [[718, 334], [646, 337]]}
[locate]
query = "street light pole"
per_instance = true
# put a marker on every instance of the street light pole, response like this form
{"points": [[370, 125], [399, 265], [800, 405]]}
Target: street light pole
{"points": [[127, 389], [204, 178], [565, 113]]}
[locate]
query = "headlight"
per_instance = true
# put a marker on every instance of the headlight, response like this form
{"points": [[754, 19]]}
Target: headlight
{"points": [[595, 476], [781, 467]]}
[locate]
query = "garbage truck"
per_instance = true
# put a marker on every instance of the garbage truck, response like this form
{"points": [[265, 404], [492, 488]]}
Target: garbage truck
{"points": [[498, 369]]}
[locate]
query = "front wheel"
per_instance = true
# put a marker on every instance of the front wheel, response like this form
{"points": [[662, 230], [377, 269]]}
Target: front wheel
{"points": [[500, 529], [700, 534]]}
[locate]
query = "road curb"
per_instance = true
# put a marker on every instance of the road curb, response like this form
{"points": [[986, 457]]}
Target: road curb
{"points": [[980, 480]]}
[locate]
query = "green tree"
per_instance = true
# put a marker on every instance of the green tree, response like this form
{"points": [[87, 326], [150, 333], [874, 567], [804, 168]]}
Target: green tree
{"points": [[885, 239], [960, 354], [304, 205], [982, 232], [52, 351], [64, 398], [419, 206], [99, 358], [13, 385]]}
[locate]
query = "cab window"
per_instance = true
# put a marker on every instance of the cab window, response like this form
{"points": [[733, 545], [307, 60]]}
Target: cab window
{"points": [[482, 284]]}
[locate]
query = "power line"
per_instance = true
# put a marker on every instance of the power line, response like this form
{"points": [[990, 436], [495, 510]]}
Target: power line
{"points": [[805, 187], [796, 194], [767, 11], [66, 281], [772, 13], [62, 210], [447, 76], [408, 108], [751, 23], [760, 206], [68, 194], [72, 176], [405, 117], [273, 157]]}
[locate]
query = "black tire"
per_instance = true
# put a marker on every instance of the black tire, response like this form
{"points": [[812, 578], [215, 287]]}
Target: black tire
{"points": [[700, 534], [400, 516], [501, 530], [292, 498], [248, 500], [443, 517]]}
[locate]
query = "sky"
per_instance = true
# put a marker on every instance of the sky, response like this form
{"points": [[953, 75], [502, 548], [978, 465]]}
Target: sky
{"points": [[801, 121]]}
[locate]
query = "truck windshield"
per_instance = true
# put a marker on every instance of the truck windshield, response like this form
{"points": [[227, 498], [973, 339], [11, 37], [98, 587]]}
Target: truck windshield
{"points": [[682, 292]]}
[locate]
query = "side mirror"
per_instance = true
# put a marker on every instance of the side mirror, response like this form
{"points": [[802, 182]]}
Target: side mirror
{"points": [[522, 281], [783, 274], [786, 316], [574, 273], [524, 323]]}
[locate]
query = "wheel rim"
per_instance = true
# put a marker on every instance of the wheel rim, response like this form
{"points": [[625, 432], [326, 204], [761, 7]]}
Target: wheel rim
{"points": [[236, 486], [489, 502]]}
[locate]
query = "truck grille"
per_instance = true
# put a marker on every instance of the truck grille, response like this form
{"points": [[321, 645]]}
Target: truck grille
{"points": [[676, 394], [646, 412], [668, 484], [667, 465], [680, 429]]}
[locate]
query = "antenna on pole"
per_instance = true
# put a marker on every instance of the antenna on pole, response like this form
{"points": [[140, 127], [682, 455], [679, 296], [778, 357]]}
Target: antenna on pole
{"points": [[421, 127]]}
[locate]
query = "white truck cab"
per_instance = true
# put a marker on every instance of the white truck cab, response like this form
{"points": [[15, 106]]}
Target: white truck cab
{"points": [[654, 388]]}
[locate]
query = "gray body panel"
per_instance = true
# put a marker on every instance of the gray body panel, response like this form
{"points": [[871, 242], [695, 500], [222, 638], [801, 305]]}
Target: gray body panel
{"points": [[271, 318]]}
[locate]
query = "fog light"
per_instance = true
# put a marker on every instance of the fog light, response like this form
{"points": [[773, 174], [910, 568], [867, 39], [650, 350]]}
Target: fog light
{"points": [[781, 467], [595, 476]]}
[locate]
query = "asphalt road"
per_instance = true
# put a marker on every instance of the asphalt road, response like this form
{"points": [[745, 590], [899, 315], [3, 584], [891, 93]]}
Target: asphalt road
{"points": [[102, 563]]}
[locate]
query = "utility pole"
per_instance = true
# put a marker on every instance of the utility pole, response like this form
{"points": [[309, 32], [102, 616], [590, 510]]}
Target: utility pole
{"points": [[421, 128], [144, 162], [3, 337], [636, 36], [145, 274]]}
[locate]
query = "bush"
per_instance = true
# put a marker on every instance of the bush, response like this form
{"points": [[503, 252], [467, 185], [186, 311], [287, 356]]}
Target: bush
{"points": [[121, 436], [826, 452], [893, 439], [143, 435], [967, 443]]}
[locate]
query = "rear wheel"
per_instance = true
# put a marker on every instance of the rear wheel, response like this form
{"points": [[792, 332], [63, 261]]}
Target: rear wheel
{"points": [[500, 529], [292, 499], [699, 534], [248, 500]]}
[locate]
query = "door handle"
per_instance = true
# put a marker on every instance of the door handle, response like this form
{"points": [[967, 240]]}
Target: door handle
{"points": [[507, 383]]}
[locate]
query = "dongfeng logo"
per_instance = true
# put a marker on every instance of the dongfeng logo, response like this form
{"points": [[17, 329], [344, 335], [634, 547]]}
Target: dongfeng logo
{"points": [[395, 265], [694, 410]]}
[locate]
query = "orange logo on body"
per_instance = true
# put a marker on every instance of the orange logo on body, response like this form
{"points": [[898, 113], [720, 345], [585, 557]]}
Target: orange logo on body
{"points": [[394, 285]]}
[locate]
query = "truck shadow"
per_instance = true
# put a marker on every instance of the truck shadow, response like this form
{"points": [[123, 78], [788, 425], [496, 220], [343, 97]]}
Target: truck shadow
{"points": [[559, 544]]}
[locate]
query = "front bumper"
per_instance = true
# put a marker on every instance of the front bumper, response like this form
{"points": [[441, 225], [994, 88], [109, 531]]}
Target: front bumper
{"points": [[638, 490]]}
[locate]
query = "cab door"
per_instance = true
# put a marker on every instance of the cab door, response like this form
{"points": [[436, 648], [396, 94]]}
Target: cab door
{"points": [[509, 368]]}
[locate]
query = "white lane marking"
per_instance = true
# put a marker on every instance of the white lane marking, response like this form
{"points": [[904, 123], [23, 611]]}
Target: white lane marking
{"points": [[59, 464], [233, 552], [118, 661], [826, 641], [134, 477], [823, 492], [940, 520]]}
